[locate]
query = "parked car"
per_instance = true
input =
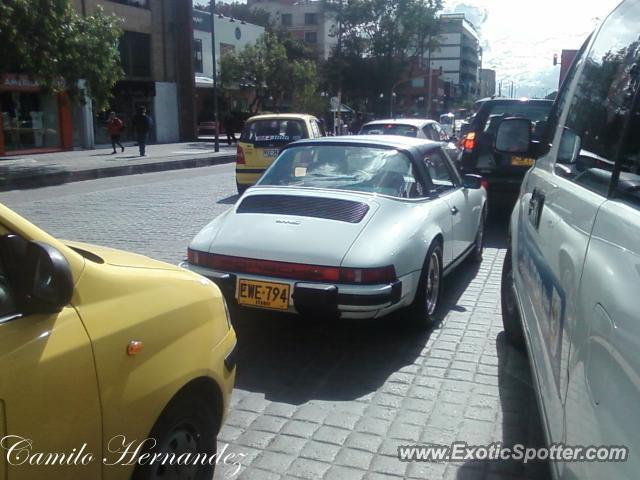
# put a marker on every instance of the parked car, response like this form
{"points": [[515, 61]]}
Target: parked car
{"points": [[572, 270], [416, 128], [100, 348], [356, 226], [447, 122], [262, 138], [502, 172]]}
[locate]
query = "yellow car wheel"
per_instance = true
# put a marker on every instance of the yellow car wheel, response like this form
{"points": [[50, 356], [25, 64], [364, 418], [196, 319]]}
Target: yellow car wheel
{"points": [[188, 425]]}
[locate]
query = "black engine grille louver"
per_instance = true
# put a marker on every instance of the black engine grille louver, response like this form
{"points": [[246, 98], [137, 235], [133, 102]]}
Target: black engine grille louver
{"points": [[328, 208]]}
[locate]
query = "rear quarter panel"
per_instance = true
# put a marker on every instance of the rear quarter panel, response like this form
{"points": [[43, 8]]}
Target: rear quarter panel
{"points": [[400, 234]]}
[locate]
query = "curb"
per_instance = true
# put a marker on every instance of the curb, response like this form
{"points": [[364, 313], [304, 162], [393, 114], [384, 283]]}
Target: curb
{"points": [[27, 180]]}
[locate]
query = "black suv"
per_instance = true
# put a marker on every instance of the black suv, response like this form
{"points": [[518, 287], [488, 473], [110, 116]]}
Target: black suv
{"points": [[502, 173]]}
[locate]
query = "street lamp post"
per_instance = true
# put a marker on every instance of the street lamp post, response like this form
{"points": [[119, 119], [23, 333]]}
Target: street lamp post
{"points": [[216, 141]]}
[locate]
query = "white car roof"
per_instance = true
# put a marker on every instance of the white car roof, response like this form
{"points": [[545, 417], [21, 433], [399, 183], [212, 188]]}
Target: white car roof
{"points": [[415, 122]]}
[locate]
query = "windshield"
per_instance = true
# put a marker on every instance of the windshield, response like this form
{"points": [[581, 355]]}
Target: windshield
{"points": [[537, 113], [390, 129], [281, 131], [446, 120], [358, 168]]}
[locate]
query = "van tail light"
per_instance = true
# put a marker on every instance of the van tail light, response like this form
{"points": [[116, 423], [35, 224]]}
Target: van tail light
{"points": [[240, 156], [484, 183], [293, 271], [469, 141]]}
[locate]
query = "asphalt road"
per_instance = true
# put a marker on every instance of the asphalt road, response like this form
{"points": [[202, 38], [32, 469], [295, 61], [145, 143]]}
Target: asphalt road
{"points": [[328, 399]]}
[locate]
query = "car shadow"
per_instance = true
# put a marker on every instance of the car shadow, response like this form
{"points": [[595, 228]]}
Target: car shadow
{"points": [[521, 422], [294, 359], [229, 200]]}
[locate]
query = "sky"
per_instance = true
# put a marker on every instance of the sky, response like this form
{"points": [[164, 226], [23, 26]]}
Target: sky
{"points": [[519, 37]]}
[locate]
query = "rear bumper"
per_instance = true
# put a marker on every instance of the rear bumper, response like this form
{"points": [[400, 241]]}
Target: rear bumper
{"points": [[340, 300], [248, 176]]}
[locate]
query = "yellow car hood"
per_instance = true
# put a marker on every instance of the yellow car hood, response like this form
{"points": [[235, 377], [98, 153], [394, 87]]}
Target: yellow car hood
{"points": [[118, 258]]}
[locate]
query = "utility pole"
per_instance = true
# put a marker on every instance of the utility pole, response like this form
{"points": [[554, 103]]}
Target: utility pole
{"points": [[216, 142], [430, 80]]}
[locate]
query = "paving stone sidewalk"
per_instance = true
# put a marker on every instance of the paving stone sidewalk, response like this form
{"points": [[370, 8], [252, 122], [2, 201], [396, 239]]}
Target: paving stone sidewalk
{"points": [[38, 170]]}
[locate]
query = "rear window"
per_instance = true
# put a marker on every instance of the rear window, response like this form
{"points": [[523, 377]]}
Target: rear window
{"points": [[390, 129], [536, 112], [279, 131]]}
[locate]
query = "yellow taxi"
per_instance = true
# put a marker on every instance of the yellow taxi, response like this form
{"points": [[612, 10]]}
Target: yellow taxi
{"points": [[262, 138], [108, 358]]}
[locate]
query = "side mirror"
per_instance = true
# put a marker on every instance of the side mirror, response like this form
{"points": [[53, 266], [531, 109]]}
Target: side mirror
{"points": [[40, 274], [570, 146], [514, 136], [474, 182]]}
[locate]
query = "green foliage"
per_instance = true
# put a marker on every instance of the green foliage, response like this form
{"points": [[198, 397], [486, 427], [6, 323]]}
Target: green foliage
{"points": [[267, 68], [379, 40], [48, 40]]}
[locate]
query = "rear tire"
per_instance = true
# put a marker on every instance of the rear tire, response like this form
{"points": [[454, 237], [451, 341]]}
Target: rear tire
{"points": [[511, 319], [424, 308], [479, 242], [188, 424]]}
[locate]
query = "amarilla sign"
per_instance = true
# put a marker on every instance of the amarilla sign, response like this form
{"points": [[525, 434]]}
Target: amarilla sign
{"points": [[22, 83], [19, 82]]}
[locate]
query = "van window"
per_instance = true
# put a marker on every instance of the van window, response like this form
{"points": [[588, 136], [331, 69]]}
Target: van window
{"points": [[627, 187], [601, 103]]}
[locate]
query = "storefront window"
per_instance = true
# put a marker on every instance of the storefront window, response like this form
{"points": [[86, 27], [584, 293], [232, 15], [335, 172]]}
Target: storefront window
{"points": [[29, 120]]}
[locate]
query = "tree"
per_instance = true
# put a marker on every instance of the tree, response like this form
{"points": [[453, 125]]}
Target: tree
{"points": [[380, 40], [267, 69], [48, 40]]}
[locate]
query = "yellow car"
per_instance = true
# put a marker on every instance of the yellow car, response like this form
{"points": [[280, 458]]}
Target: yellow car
{"points": [[102, 351], [262, 138]]}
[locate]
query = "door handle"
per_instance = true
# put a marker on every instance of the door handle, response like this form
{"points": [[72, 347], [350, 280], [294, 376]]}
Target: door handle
{"points": [[454, 210]]}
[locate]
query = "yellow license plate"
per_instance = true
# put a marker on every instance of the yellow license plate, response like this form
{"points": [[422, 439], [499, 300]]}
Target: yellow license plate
{"points": [[521, 161], [263, 294]]}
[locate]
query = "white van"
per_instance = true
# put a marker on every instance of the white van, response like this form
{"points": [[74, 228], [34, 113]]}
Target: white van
{"points": [[571, 277]]}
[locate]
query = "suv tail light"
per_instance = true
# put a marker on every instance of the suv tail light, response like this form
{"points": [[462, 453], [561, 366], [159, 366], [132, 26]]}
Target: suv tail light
{"points": [[240, 156], [469, 141]]}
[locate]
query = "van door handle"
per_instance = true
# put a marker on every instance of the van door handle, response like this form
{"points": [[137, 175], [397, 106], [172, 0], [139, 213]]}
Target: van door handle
{"points": [[536, 203], [454, 210]]}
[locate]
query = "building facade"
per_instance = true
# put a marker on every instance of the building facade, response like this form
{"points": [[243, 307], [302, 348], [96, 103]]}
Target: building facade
{"points": [[231, 35], [459, 55], [305, 20], [487, 82], [157, 75]]}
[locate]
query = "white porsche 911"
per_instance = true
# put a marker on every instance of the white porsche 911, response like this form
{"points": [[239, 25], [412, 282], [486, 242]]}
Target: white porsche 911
{"points": [[355, 226]]}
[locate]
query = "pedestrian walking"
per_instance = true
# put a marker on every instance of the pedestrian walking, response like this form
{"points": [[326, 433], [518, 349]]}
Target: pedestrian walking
{"points": [[115, 126], [229, 124], [141, 125]]}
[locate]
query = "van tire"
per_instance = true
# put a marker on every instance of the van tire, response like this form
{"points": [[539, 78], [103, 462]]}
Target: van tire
{"points": [[511, 319]]}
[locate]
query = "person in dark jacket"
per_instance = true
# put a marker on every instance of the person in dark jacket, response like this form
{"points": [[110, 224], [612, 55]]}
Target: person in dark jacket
{"points": [[141, 125]]}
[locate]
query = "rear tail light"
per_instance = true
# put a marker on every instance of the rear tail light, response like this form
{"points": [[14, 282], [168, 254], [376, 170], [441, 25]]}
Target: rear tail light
{"points": [[484, 183], [240, 156], [368, 275], [293, 271], [469, 141]]}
